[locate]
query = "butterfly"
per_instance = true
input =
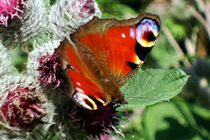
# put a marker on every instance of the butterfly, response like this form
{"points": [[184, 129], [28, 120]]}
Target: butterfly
{"points": [[102, 55]]}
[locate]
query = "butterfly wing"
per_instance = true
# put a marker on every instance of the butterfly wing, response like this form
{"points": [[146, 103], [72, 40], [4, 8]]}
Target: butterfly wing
{"points": [[119, 47], [88, 88], [104, 54]]}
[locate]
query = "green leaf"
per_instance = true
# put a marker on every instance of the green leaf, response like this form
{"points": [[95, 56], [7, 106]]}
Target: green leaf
{"points": [[154, 85], [165, 121]]}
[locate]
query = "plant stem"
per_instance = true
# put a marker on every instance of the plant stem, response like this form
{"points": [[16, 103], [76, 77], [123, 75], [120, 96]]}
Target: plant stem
{"points": [[201, 19], [176, 46]]}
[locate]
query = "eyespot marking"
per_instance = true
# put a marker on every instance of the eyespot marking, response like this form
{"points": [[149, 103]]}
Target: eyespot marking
{"points": [[147, 31]]}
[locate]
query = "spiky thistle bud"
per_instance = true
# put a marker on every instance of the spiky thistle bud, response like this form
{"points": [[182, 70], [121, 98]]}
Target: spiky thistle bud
{"points": [[9, 10], [66, 15], [22, 103], [44, 65], [50, 72], [23, 20], [96, 122]]}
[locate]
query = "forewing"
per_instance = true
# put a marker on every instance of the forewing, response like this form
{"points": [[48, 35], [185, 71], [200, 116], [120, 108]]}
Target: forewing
{"points": [[115, 45]]}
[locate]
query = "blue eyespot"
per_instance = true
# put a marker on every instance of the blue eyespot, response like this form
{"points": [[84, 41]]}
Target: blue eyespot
{"points": [[149, 22], [147, 31]]}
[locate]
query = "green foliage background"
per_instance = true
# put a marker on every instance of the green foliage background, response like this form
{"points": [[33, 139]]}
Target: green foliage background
{"points": [[183, 44]]}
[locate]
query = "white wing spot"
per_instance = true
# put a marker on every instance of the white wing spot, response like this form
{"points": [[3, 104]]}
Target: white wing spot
{"points": [[78, 84], [80, 98], [123, 35]]}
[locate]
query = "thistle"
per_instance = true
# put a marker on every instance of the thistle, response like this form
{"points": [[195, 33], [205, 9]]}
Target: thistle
{"points": [[50, 72], [22, 22], [22, 103], [22, 107], [66, 16], [10, 9], [44, 65], [97, 122]]}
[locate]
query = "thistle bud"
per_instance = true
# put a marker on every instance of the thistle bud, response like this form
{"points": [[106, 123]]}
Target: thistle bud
{"points": [[22, 104], [44, 65], [66, 16], [22, 21], [10, 9], [96, 122]]}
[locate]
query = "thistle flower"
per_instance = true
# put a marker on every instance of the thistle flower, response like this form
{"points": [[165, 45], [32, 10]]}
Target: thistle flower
{"points": [[22, 103], [10, 9], [50, 72], [44, 65], [85, 8], [96, 122], [23, 22], [66, 16]]}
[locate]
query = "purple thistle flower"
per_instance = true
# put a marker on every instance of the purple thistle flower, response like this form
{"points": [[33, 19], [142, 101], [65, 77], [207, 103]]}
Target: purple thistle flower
{"points": [[50, 72], [9, 9], [96, 122], [22, 107], [87, 7]]}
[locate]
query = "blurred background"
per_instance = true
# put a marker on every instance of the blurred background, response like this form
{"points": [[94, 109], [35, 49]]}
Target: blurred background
{"points": [[184, 43]]}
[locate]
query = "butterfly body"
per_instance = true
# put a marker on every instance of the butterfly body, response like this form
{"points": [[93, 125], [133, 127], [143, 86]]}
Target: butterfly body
{"points": [[104, 54]]}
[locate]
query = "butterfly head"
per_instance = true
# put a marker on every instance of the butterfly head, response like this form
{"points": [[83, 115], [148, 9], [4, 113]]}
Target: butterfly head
{"points": [[147, 31]]}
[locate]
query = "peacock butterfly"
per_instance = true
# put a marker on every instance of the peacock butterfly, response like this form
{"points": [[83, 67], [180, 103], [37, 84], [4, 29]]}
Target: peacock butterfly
{"points": [[104, 54]]}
